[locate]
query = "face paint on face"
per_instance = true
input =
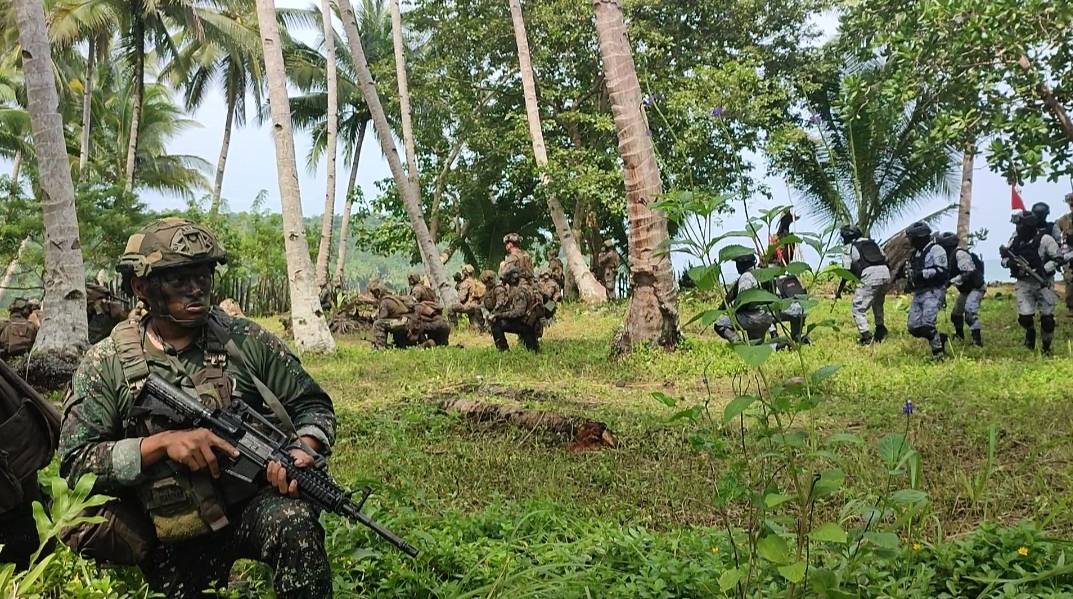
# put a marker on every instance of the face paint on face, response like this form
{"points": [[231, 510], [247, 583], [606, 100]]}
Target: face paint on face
{"points": [[185, 293]]}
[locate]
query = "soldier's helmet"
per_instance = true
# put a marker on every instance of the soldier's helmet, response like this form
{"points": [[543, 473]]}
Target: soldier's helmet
{"points": [[376, 288], [947, 240], [458, 277], [488, 277], [168, 243], [918, 230], [413, 278], [609, 243], [1069, 199], [1042, 211], [19, 306], [35, 304], [850, 233], [511, 275], [467, 269], [512, 238]]}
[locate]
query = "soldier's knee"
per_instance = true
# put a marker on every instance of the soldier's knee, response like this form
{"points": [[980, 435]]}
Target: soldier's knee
{"points": [[1026, 321], [924, 331], [1047, 323]]}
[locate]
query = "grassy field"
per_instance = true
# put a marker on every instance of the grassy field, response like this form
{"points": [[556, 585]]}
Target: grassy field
{"points": [[485, 498], [498, 511]]}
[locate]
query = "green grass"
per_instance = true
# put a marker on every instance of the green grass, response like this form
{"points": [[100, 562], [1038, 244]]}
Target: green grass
{"points": [[391, 430]]}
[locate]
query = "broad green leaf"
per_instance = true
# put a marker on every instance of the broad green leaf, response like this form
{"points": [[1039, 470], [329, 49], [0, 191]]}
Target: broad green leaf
{"points": [[798, 268], [883, 540], [795, 573], [830, 482], [773, 548], [705, 277], [737, 406], [690, 414], [829, 533], [768, 273], [892, 447], [85, 483], [754, 355], [730, 252], [823, 373], [664, 399], [729, 579], [756, 296], [909, 496], [773, 500]]}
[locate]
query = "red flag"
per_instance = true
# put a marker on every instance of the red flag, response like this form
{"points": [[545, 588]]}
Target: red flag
{"points": [[1016, 203]]}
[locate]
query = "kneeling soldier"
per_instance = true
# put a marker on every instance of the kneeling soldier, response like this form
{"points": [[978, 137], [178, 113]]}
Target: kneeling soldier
{"points": [[176, 518], [521, 313]]}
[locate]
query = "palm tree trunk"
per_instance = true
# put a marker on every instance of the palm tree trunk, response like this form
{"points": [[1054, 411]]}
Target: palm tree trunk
{"points": [[307, 322], [410, 194], [87, 109], [653, 311], [327, 219], [590, 290], [12, 270], [965, 203], [16, 170], [344, 223], [138, 36], [404, 92], [225, 146], [64, 325]]}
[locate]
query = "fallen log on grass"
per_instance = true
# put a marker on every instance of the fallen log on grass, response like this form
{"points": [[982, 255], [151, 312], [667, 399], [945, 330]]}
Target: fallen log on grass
{"points": [[586, 434]]}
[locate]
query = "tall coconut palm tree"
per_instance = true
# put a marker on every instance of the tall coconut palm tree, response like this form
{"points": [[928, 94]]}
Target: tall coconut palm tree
{"points": [[410, 194], [590, 290], [404, 92], [653, 311], [64, 325], [863, 157], [327, 220], [310, 328], [229, 53]]}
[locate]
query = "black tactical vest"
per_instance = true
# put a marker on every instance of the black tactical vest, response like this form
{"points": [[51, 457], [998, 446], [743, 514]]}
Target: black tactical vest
{"points": [[970, 281], [870, 255], [917, 263], [1029, 250]]}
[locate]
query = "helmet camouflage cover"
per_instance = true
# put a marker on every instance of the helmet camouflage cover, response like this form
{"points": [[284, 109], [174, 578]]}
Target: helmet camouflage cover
{"points": [[169, 243], [19, 305], [512, 238]]}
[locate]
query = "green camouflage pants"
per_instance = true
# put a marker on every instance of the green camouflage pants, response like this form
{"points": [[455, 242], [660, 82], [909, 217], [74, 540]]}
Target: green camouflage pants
{"points": [[282, 532]]}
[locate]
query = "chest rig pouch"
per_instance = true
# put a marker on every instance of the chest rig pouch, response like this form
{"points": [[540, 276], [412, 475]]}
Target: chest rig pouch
{"points": [[181, 504]]}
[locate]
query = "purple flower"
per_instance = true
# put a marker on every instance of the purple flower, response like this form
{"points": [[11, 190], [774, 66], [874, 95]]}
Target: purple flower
{"points": [[648, 101], [907, 409], [815, 118], [717, 112]]}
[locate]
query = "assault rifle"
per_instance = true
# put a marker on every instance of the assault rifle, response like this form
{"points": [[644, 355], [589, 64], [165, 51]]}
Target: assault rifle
{"points": [[259, 442], [1022, 265]]}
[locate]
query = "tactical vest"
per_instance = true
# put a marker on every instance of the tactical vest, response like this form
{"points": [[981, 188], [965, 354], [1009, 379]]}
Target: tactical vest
{"points": [[183, 504], [534, 309], [19, 337], [789, 286], [969, 281], [870, 255], [29, 432], [1029, 250], [477, 291], [917, 263]]}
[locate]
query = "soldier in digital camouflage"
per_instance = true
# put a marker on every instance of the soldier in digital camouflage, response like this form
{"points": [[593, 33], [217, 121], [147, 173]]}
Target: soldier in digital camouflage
{"points": [[199, 522], [516, 257]]}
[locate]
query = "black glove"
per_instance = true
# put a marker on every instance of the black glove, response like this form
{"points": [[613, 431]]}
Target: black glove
{"points": [[1004, 251]]}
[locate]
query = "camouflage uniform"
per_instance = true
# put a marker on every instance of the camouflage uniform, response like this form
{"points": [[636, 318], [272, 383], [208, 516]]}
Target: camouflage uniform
{"points": [[555, 267], [100, 435], [516, 314], [1065, 229], [607, 263], [419, 291], [930, 273], [1043, 254], [393, 316], [19, 334], [516, 257], [754, 320], [470, 293]]}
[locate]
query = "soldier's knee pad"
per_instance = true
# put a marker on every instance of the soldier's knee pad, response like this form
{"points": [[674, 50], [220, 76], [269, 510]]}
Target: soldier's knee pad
{"points": [[1026, 321], [1047, 324], [958, 318], [919, 331]]}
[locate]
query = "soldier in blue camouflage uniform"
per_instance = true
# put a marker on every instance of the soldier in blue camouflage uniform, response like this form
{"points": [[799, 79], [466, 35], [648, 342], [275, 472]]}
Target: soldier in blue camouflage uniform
{"points": [[201, 522], [1033, 257], [928, 275]]}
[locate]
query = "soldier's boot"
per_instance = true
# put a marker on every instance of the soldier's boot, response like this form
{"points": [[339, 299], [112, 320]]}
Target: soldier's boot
{"points": [[881, 333], [959, 326], [977, 339], [1029, 324], [866, 338], [1047, 326], [941, 350]]}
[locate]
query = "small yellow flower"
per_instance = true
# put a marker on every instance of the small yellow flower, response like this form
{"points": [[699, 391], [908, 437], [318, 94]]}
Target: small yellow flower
{"points": [[917, 546], [1022, 551], [715, 550]]}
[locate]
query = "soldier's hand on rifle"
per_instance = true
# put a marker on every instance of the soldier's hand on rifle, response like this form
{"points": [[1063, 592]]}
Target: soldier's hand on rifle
{"points": [[193, 448], [276, 474], [1003, 251]]}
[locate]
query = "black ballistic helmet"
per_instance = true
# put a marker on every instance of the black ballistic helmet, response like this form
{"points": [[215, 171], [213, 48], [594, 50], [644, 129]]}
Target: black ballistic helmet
{"points": [[850, 233], [745, 263], [947, 240], [1041, 212]]}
